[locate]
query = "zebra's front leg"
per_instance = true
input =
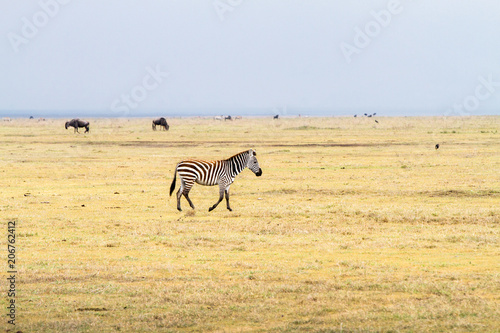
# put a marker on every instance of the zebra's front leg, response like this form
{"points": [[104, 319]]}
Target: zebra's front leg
{"points": [[227, 199], [221, 196]]}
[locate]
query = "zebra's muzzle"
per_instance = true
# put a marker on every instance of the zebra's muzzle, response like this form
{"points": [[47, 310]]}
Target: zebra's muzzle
{"points": [[259, 173]]}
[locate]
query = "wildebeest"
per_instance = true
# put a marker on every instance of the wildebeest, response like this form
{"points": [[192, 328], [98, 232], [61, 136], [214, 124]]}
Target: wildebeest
{"points": [[161, 122], [276, 116], [76, 123], [228, 118], [437, 146]]}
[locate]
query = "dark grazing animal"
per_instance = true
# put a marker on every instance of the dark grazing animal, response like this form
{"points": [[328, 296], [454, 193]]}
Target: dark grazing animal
{"points": [[228, 118], [276, 116], [76, 123], [437, 146], [211, 173], [160, 122]]}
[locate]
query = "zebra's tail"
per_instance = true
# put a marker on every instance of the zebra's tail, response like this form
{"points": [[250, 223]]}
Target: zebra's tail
{"points": [[172, 187]]}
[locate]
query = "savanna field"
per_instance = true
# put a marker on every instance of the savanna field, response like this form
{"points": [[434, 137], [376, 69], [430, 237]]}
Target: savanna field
{"points": [[354, 226]]}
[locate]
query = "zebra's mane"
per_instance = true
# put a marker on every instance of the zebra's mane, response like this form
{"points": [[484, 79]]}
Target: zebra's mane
{"points": [[237, 155]]}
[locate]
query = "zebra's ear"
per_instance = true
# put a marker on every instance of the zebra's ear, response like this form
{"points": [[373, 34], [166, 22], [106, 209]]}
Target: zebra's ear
{"points": [[253, 152]]}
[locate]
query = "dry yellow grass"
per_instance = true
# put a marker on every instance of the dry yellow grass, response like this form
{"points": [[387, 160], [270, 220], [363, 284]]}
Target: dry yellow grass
{"points": [[354, 226]]}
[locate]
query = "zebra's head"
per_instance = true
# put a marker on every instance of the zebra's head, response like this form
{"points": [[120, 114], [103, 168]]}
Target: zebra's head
{"points": [[253, 164]]}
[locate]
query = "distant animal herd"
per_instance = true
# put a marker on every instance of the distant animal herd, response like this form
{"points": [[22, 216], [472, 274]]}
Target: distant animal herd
{"points": [[207, 173], [228, 117], [161, 122]]}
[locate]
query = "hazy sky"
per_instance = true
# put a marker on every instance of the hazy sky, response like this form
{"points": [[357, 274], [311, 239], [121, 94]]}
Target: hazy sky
{"points": [[332, 57]]}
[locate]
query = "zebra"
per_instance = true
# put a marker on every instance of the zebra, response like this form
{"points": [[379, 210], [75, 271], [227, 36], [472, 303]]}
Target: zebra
{"points": [[211, 173]]}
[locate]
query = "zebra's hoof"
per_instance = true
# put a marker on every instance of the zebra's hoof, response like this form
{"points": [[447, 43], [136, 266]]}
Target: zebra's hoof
{"points": [[229, 209], [180, 210]]}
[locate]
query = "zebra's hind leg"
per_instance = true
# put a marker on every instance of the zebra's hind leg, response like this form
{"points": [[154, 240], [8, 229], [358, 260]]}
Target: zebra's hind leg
{"points": [[179, 194], [221, 196], [184, 190], [186, 194]]}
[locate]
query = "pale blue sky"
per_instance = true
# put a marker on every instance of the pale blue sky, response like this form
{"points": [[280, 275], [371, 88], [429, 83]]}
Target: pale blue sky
{"points": [[171, 57]]}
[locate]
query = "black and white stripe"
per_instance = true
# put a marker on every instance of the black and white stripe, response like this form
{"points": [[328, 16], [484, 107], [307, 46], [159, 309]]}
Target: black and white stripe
{"points": [[211, 173]]}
